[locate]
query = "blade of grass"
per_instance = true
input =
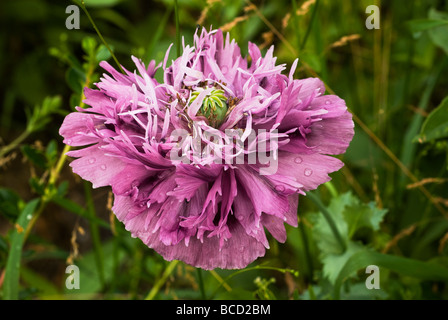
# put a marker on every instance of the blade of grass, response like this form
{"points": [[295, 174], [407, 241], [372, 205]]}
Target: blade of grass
{"points": [[176, 14], [408, 150], [94, 230], [161, 281], [159, 31], [310, 26], [12, 273], [201, 283], [403, 266], [295, 21]]}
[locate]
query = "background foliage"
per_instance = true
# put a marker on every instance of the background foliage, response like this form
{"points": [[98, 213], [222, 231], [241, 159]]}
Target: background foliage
{"points": [[389, 204]]}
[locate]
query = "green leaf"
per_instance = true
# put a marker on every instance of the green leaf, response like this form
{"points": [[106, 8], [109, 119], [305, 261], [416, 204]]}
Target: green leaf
{"points": [[12, 273], [439, 35], [322, 232], [101, 3], [402, 266], [361, 215], [350, 215], [89, 45], [51, 152], [75, 80], [45, 288], [9, 203], [102, 53], [333, 263], [35, 156], [436, 124], [420, 25]]}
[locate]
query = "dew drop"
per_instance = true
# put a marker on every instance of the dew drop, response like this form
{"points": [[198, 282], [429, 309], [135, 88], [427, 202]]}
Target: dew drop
{"points": [[328, 102], [308, 172], [224, 70], [240, 217], [103, 167], [280, 188], [69, 142], [241, 249], [298, 160], [92, 160]]}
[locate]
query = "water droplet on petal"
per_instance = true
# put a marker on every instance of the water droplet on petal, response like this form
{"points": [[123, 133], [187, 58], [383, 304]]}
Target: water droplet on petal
{"points": [[308, 172], [69, 142], [103, 167], [224, 70], [280, 188], [298, 160], [328, 102], [241, 249], [240, 217], [92, 160]]}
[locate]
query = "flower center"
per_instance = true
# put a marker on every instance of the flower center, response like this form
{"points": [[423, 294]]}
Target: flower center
{"points": [[214, 107]]}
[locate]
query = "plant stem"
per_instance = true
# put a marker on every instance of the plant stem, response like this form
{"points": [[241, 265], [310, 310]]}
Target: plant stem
{"points": [[84, 8], [308, 30], [201, 283], [161, 281], [293, 272], [176, 14], [14, 144], [329, 219], [295, 21], [306, 246], [97, 248], [331, 188]]}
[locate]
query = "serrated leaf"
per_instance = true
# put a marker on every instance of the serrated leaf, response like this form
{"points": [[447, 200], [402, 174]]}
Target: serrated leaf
{"points": [[362, 215], [349, 215], [333, 263]]}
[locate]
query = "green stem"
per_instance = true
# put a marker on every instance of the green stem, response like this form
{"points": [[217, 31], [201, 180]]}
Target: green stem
{"points": [[6, 149], [226, 280], [330, 186], [94, 230], [201, 283], [84, 8], [295, 22], [306, 246], [329, 219], [176, 14], [308, 30], [161, 281]]}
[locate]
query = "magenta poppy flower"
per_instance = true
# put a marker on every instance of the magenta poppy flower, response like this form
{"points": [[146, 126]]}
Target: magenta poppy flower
{"points": [[203, 164]]}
